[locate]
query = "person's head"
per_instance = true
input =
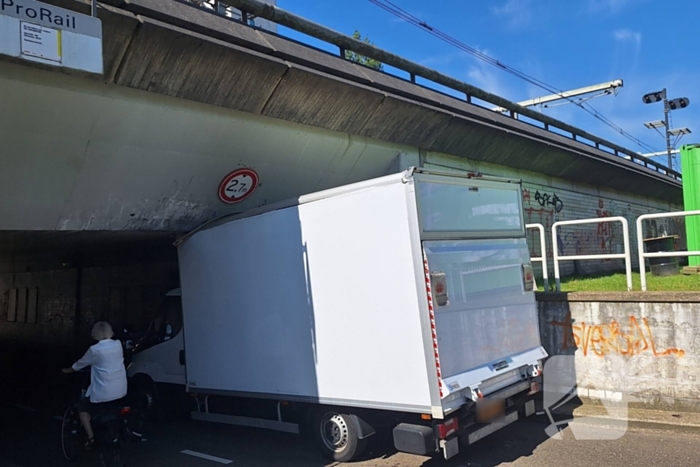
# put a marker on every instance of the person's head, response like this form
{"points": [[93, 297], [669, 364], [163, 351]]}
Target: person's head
{"points": [[102, 330]]}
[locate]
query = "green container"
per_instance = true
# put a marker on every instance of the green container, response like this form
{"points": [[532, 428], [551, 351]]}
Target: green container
{"points": [[690, 166]]}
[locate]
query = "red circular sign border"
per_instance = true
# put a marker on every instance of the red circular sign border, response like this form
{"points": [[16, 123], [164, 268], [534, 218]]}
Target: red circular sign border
{"points": [[252, 173]]}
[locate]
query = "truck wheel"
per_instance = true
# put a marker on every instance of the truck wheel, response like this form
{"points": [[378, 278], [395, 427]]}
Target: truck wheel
{"points": [[337, 436], [145, 398]]}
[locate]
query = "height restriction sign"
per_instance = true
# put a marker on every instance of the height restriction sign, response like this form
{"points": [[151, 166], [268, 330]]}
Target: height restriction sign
{"points": [[238, 185]]}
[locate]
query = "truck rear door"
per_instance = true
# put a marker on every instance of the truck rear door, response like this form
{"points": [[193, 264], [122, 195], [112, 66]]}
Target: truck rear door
{"points": [[478, 262]]}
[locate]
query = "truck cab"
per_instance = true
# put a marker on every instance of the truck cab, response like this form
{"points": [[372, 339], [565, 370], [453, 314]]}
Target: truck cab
{"points": [[157, 367]]}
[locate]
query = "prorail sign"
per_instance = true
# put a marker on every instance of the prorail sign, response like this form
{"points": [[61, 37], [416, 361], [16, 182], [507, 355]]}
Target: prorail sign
{"points": [[47, 34], [43, 14]]}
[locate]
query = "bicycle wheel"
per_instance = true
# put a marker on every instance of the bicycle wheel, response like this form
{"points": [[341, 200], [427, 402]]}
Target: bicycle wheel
{"points": [[70, 434], [114, 455]]}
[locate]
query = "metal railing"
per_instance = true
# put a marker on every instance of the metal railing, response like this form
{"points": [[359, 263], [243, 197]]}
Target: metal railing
{"points": [[543, 251], [414, 70], [661, 254], [626, 255]]}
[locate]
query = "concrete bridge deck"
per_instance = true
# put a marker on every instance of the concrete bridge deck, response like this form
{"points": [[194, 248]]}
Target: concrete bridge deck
{"points": [[188, 95]]}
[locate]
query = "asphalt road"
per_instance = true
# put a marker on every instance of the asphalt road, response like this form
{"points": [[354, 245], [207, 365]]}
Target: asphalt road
{"points": [[31, 439]]}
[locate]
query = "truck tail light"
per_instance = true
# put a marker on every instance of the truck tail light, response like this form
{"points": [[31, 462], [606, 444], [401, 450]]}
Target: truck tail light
{"points": [[528, 278], [448, 428]]}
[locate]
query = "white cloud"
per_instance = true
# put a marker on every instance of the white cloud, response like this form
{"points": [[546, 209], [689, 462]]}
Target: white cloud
{"points": [[627, 40], [606, 6], [517, 13], [485, 76], [485, 79], [444, 59], [627, 35]]}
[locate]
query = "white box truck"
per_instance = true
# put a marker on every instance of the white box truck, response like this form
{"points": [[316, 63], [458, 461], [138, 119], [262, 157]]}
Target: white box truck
{"points": [[404, 302]]}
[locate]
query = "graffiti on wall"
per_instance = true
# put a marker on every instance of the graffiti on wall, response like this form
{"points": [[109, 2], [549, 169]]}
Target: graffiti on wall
{"points": [[546, 199], [605, 236], [605, 339], [544, 212], [545, 208]]}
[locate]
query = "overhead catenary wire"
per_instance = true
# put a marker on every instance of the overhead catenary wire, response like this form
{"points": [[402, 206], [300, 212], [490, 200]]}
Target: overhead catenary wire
{"points": [[397, 11]]}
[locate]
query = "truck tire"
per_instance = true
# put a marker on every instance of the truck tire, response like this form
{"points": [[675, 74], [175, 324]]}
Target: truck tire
{"points": [[337, 435], [145, 398]]}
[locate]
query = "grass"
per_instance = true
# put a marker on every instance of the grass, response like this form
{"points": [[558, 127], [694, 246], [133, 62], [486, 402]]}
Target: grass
{"points": [[618, 283]]}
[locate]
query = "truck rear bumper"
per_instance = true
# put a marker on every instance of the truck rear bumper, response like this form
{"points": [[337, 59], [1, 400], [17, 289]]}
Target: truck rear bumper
{"points": [[474, 433], [422, 439]]}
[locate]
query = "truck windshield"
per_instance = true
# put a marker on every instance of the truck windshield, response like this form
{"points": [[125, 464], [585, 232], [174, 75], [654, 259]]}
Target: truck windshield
{"points": [[165, 326], [468, 206]]}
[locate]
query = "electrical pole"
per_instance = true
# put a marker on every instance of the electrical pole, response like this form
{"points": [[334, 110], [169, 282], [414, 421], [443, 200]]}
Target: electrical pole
{"points": [[669, 105], [668, 134]]}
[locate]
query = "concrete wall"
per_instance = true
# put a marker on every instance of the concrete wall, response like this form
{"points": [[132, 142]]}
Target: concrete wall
{"points": [[643, 347], [69, 301], [134, 160], [547, 200]]}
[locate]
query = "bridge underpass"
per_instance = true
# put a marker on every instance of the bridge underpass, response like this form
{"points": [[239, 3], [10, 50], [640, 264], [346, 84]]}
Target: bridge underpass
{"points": [[100, 174], [55, 285]]}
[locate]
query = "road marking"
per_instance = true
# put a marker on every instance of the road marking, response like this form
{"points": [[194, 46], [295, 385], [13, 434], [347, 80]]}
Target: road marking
{"points": [[24, 407], [207, 457]]}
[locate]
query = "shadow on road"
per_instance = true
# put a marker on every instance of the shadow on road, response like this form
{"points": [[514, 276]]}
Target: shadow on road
{"points": [[34, 393], [516, 441]]}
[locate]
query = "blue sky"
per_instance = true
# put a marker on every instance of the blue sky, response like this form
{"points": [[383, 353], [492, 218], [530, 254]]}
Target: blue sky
{"points": [[567, 44]]}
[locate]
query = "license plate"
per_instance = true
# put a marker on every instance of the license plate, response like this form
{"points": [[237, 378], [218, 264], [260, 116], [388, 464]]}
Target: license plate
{"points": [[488, 410]]}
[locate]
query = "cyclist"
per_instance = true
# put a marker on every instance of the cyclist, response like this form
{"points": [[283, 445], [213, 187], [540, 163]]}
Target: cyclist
{"points": [[107, 375]]}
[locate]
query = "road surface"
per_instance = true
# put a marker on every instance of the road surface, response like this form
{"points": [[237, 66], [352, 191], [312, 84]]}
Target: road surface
{"points": [[31, 439]]}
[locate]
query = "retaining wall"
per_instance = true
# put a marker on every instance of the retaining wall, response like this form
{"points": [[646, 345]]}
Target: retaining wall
{"points": [[640, 347]]}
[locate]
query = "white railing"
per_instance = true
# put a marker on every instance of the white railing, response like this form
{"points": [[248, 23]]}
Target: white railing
{"points": [[626, 255], [661, 254], [543, 251]]}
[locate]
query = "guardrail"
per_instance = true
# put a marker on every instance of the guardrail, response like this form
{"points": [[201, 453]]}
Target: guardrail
{"points": [[626, 255], [661, 254], [543, 251], [414, 70]]}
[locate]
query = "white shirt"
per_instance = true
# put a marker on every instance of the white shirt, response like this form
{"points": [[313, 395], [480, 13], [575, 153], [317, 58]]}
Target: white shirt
{"points": [[107, 375]]}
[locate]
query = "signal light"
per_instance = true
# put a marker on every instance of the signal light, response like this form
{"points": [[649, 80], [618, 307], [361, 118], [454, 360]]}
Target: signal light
{"points": [[680, 103], [654, 97], [449, 427]]}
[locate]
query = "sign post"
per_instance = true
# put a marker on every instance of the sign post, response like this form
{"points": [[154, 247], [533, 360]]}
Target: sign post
{"points": [[47, 34]]}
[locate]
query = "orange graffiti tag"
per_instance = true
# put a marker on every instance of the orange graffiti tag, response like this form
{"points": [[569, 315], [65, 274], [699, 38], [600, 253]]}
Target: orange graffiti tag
{"points": [[604, 339]]}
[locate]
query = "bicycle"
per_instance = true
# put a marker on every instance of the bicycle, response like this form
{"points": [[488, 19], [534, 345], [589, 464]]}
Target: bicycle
{"points": [[112, 427]]}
